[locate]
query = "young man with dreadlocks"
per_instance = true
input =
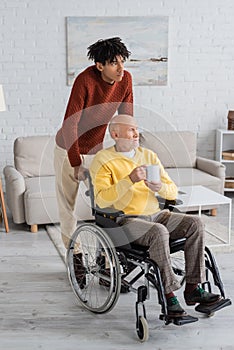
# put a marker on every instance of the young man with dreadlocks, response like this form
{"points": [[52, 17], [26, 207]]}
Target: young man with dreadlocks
{"points": [[98, 92]]}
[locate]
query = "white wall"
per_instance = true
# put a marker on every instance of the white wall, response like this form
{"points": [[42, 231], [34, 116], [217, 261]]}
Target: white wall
{"points": [[200, 90]]}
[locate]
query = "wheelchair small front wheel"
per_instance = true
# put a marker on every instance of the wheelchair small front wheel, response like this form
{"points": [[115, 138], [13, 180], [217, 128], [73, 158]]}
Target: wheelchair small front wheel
{"points": [[143, 329], [99, 288]]}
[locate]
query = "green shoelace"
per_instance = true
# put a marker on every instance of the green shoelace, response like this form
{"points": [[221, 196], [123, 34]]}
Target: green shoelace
{"points": [[174, 301], [202, 291]]}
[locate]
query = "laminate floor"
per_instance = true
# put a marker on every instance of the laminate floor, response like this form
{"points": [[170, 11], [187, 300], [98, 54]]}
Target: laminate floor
{"points": [[38, 309]]}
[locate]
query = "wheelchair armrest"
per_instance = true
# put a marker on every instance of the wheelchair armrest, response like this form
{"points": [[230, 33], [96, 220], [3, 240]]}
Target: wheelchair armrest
{"points": [[109, 212], [167, 203]]}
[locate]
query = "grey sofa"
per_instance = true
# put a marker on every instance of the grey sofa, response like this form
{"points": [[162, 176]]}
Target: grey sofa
{"points": [[30, 182]]}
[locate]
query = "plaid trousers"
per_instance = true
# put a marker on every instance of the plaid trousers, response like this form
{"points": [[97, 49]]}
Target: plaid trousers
{"points": [[156, 230]]}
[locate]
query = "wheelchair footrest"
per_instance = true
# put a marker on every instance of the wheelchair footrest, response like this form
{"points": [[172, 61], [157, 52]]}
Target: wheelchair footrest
{"points": [[178, 321], [210, 309]]}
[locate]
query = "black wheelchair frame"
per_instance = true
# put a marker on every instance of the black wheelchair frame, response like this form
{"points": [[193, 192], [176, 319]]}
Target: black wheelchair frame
{"points": [[112, 264]]}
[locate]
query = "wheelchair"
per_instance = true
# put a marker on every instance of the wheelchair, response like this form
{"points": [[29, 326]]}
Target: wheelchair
{"points": [[113, 265]]}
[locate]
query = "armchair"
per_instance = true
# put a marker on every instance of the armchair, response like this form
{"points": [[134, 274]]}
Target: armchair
{"points": [[30, 183]]}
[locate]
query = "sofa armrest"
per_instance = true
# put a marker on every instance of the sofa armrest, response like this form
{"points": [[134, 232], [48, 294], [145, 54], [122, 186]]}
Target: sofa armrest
{"points": [[211, 167], [15, 188]]}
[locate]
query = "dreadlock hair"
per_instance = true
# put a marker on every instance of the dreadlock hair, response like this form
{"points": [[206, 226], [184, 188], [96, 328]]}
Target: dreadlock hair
{"points": [[107, 50]]}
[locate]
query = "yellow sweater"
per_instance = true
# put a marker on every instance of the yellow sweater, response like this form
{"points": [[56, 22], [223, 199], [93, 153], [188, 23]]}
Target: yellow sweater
{"points": [[113, 187]]}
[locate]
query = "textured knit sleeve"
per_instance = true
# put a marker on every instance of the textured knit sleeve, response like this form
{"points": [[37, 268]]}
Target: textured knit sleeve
{"points": [[107, 192], [169, 188], [73, 113], [126, 106]]}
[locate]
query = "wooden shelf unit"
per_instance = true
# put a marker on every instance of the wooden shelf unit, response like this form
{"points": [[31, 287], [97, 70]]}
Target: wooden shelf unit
{"points": [[225, 142]]}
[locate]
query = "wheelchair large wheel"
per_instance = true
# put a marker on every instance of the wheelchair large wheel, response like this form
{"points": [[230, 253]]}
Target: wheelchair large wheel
{"points": [[99, 290]]}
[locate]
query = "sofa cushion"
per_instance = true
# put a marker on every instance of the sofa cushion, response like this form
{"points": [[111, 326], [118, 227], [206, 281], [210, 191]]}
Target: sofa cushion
{"points": [[41, 204], [40, 200], [34, 155], [40, 187], [174, 149], [193, 177]]}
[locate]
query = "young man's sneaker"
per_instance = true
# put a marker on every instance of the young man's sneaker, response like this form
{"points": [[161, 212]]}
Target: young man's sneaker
{"points": [[199, 295], [79, 269], [174, 309]]}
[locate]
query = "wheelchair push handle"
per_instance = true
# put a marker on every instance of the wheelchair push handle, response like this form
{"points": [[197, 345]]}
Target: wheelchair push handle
{"points": [[90, 191]]}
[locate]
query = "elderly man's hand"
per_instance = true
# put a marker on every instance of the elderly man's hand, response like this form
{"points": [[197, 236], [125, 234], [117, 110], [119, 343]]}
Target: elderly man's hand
{"points": [[154, 186], [138, 174]]}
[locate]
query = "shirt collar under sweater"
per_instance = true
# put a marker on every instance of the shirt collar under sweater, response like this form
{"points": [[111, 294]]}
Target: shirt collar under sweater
{"points": [[129, 154]]}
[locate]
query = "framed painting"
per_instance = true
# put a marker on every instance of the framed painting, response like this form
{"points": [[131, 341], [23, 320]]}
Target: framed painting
{"points": [[145, 37]]}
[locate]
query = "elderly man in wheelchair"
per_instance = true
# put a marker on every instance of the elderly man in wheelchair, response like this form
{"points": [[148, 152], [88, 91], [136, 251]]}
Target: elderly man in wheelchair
{"points": [[131, 231]]}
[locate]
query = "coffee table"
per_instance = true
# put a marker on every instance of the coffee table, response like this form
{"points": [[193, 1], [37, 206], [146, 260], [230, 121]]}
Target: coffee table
{"points": [[201, 198]]}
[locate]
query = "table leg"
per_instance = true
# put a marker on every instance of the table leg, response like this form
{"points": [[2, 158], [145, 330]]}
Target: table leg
{"points": [[199, 211], [230, 222]]}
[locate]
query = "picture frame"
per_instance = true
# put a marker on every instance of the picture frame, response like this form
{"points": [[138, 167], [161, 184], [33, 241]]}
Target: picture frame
{"points": [[145, 36]]}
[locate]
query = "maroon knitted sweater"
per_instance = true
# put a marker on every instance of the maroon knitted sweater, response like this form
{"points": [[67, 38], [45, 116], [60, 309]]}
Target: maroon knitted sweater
{"points": [[91, 105]]}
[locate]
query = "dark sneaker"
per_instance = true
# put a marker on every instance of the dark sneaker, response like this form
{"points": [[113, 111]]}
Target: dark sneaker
{"points": [[174, 309], [199, 295], [79, 269]]}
